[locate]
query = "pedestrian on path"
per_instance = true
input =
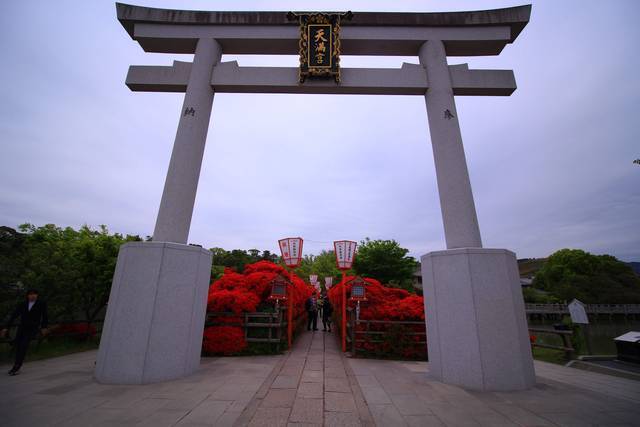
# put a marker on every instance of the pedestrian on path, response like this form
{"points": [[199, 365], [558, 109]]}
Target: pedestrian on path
{"points": [[33, 318], [327, 311], [311, 306]]}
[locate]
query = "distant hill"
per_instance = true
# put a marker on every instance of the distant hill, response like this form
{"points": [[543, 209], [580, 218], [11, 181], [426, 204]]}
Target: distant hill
{"points": [[529, 266]]}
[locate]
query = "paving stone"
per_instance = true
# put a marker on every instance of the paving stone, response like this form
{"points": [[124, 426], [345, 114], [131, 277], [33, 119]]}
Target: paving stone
{"points": [[410, 404], [490, 419], [270, 417], [375, 396], [452, 414], [279, 398], [337, 384], [285, 381], [367, 380], [228, 419], [307, 410], [314, 366], [163, 417], [335, 372], [339, 402], [341, 419], [312, 377], [386, 415], [423, 421], [206, 413], [310, 390]]}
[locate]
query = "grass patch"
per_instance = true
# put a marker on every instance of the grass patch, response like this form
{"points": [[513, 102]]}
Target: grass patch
{"points": [[50, 347], [549, 355]]}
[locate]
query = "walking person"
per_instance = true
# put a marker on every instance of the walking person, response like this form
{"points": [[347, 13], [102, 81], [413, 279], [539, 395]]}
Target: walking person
{"points": [[327, 311], [33, 318], [311, 306]]}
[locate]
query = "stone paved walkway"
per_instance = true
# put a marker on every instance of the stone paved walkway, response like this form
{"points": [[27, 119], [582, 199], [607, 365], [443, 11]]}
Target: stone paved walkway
{"points": [[61, 391], [312, 385], [401, 394]]}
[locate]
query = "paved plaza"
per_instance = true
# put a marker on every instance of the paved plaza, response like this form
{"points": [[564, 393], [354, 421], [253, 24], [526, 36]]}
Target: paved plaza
{"points": [[311, 385]]}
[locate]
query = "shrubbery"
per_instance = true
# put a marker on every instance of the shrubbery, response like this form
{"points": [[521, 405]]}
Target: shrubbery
{"points": [[246, 292], [391, 304]]}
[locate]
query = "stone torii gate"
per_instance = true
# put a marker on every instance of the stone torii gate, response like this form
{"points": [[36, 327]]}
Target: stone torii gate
{"points": [[476, 323]]}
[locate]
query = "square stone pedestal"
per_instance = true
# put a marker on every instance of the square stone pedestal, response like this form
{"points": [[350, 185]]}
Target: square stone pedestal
{"points": [[477, 334], [156, 313]]}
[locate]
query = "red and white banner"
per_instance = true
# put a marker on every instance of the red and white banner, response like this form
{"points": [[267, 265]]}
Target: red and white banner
{"points": [[328, 281], [345, 253], [291, 250]]}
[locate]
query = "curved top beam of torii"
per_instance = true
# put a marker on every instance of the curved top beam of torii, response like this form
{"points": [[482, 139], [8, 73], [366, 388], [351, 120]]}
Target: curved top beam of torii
{"points": [[367, 33], [484, 32]]}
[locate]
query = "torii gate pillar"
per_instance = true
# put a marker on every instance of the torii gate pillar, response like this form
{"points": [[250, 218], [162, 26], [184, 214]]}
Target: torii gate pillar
{"points": [[477, 334]]}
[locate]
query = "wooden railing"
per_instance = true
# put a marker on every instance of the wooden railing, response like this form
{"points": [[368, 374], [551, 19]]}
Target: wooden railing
{"points": [[565, 336], [625, 309], [378, 332], [258, 327]]}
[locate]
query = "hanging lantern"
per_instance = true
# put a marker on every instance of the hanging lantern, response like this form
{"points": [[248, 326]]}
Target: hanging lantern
{"points": [[328, 281], [345, 253], [291, 250], [313, 279], [358, 290], [278, 289]]}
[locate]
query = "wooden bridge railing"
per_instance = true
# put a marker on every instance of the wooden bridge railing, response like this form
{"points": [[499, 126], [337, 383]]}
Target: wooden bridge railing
{"points": [[377, 332], [565, 336], [626, 309], [258, 327]]}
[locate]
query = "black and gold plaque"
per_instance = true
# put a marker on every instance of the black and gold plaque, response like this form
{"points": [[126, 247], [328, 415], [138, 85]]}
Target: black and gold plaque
{"points": [[320, 44]]}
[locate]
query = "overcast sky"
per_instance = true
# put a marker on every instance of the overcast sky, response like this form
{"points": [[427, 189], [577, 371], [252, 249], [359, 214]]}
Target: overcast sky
{"points": [[551, 166]]}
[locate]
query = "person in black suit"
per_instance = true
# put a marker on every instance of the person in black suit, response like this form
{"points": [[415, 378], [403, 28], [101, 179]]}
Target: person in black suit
{"points": [[33, 318], [311, 306], [327, 311]]}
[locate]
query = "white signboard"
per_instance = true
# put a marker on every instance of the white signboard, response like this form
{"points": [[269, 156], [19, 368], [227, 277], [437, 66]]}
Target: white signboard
{"points": [[345, 252], [578, 313]]}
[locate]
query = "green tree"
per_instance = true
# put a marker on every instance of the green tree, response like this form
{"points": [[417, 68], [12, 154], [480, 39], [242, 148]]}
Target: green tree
{"points": [[324, 265], [595, 279], [236, 259], [386, 261], [72, 269], [11, 261]]}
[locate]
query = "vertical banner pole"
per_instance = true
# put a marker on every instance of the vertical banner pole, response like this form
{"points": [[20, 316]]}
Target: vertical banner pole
{"points": [[344, 312], [290, 317]]}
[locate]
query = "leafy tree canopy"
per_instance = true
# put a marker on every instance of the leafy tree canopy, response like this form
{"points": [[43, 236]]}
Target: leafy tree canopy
{"points": [[593, 279], [72, 269], [237, 259], [324, 265], [387, 262]]}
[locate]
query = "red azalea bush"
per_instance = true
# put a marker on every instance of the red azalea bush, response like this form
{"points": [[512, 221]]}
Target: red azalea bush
{"points": [[76, 330], [224, 340], [385, 303], [244, 293]]}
